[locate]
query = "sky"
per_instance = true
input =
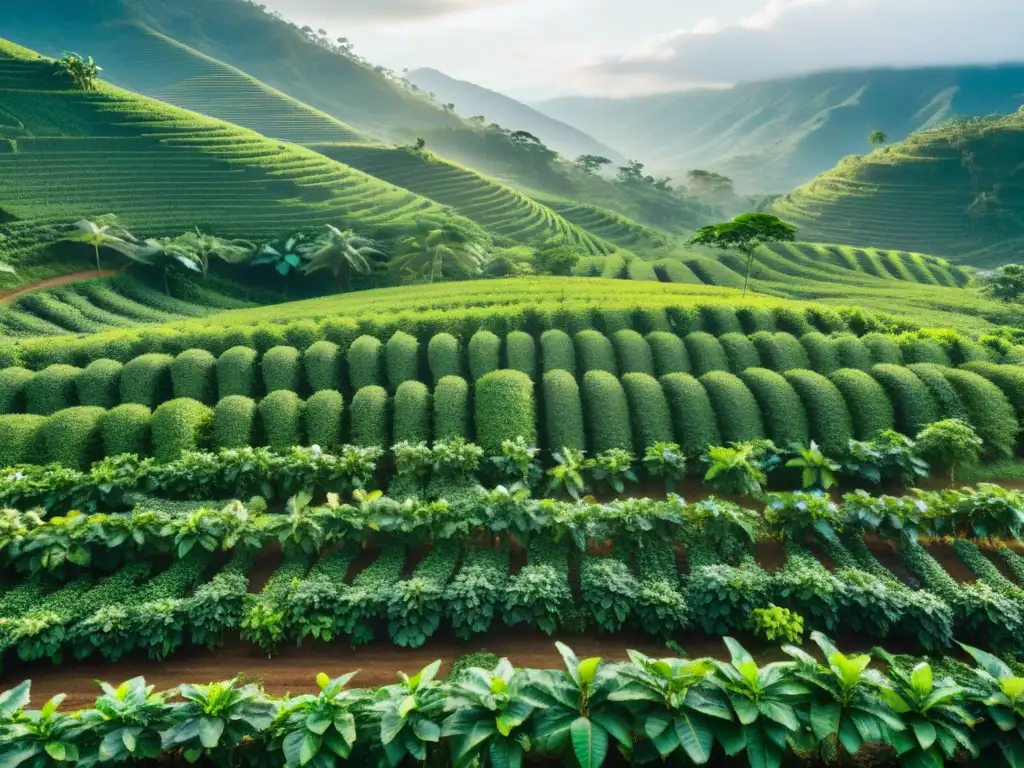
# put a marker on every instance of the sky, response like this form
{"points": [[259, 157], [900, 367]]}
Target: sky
{"points": [[538, 49]]}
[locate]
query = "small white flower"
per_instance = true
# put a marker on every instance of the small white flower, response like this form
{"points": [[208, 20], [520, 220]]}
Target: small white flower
{"points": [[316, 451]]}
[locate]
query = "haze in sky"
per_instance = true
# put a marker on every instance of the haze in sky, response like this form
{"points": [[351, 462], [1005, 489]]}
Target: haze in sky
{"points": [[534, 49]]}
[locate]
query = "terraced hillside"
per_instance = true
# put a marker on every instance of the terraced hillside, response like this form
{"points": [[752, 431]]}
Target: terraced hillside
{"points": [[955, 191], [489, 203], [71, 154]]}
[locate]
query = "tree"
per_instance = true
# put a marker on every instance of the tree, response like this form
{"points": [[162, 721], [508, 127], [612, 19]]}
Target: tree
{"points": [[556, 259], [435, 250], [343, 253], [202, 247], [745, 233], [948, 444], [591, 163], [449, 107], [419, 144], [1005, 283], [709, 183], [167, 255], [105, 232], [83, 73], [632, 172], [877, 138], [478, 119]]}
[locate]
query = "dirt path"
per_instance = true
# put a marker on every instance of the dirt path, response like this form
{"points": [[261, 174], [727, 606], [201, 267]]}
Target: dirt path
{"points": [[52, 282]]}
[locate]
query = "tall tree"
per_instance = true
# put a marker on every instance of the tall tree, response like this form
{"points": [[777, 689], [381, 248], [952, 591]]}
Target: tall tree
{"points": [[105, 232], [203, 247], [745, 233], [878, 138], [434, 251], [1005, 283], [591, 163], [343, 253], [168, 256]]}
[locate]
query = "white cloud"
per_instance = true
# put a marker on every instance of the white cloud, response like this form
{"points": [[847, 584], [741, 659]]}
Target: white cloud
{"points": [[358, 11]]}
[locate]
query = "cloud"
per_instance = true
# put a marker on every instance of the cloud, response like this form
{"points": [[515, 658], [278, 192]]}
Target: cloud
{"points": [[787, 37], [378, 10]]}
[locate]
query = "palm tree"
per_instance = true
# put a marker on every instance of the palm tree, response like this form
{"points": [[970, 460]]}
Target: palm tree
{"points": [[167, 254], [432, 252], [105, 232], [343, 253], [877, 138], [202, 247]]}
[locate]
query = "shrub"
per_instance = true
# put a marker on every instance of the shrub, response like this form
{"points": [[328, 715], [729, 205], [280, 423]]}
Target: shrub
{"points": [[607, 412], [323, 414], [364, 363], [444, 355], [648, 410], [302, 334], [52, 389], [792, 321], [370, 418], [236, 372], [912, 402], [945, 394], [669, 353], [780, 352], [127, 429], [948, 444], [822, 352], [178, 426], [740, 351], [1009, 378], [989, 410], [21, 439], [521, 353], [884, 349], [412, 413], [853, 353], [739, 417], [558, 352], [282, 369], [13, 384], [705, 353], [693, 416], [595, 352], [917, 350], [146, 380], [563, 412], [99, 383], [866, 400], [72, 437], [234, 422], [719, 319], [633, 352], [505, 409], [755, 319], [484, 350], [402, 359], [266, 336], [193, 374], [322, 362], [829, 418], [451, 409], [281, 418], [785, 420]]}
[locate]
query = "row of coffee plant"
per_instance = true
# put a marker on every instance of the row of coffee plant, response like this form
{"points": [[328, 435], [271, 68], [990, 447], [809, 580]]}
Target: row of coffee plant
{"points": [[690, 711]]}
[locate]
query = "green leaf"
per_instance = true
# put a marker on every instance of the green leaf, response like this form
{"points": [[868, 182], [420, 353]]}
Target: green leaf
{"points": [[589, 742], [426, 730], [924, 731], [588, 669], [291, 746], [56, 750], [408, 704], [310, 746], [318, 723], [921, 679], [505, 753], [210, 730], [696, 737]]}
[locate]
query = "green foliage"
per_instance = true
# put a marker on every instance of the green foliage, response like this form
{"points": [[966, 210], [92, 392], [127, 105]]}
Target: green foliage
{"points": [[949, 444], [665, 460], [402, 359], [282, 369], [607, 412], [365, 363], [557, 352], [72, 437], [127, 429], [52, 389], [444, 355], [451, 409], [739, 417], [885, 350], [822, 352], [369, 411], [539, 594], [693, 415], [1009, 379], [853, 353], [816, 469], [613, 468], [705, 353], [669, 352], [734, 469], [236, 373], [415, 606], [795, 516], [563, 411], [648, 409], [567, 473], [947, 399], [785, 419], [923, 350], [146, 380], [595, 352], [505, 409], [774, 624], [322, 416], [21, 439], [1005, 283], [521, 353], [413, 407], [178, 426], [14, 383], [888, 457], [193, 375], [99, 383], [633, 353], [475, 596], [745, 233], [866, 400], [234, 422], [322, 363], [740, 351], [780, 352], [913, 404], [517, 464], [484, 351], [989, 411], [281, 418], [830, 420]]}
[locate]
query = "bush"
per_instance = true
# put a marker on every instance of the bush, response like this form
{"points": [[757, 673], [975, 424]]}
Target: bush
{"points": [[99, 383], [451, 409], [719, 319], [912, 402], [13, 384], [884, 349], [693, 416], [853, 353], [945, 394], [178, 426], [822, 352], [739, 417], [370, 418], [1009, 378], [740, 351], [484, 351], [867, 402], [281, 418], [948, 444], [323, 414], [827, 414], [705, 353], [402, 359], [52, 389], [413, 404], [444, 355], [364, 363], [595, 352], [923, 351], [633, 352], [127, 429], [234, 422], [282, 369], [505, 410], [146, 380], [302, 334], [648, 410], [785, 420], [669, 353], [780, 352], [72, 437], [322, 362], [563, 412], [990, 411], [521, 353], [792, 321], [193, 374], [21, 439], [755, 319], [236, 373], [607, 412], [557, 352]]}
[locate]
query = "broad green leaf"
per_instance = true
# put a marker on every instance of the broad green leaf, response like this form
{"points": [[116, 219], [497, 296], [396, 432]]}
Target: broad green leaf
{"points": [[921, 679], [408, 704], [589, 742], [924, 731], [56, 750], [210, 730], [505, 753], [15, 699], [825, 718], [588, 669], [696, 737]]}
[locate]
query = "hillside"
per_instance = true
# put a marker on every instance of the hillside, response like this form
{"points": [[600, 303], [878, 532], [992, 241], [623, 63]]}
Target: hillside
{"points": [[472, 100], [955, 191], [772, 136]]}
